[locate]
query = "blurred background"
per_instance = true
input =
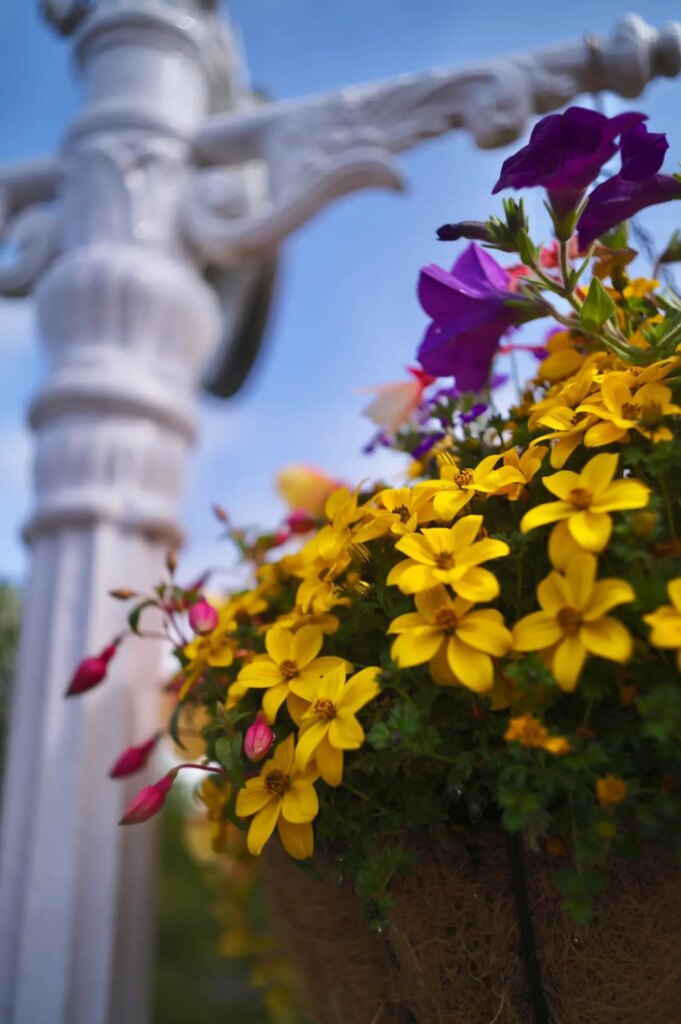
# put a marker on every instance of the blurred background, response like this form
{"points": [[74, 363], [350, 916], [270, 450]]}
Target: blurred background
{"points": [[345, 316]]}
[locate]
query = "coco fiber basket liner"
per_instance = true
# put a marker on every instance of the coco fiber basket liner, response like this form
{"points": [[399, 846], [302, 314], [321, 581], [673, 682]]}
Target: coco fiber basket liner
{"points": [[457, 950]]}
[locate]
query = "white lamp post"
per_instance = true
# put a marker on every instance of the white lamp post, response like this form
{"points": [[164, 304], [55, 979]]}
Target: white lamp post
{"points": [[170, 169]]}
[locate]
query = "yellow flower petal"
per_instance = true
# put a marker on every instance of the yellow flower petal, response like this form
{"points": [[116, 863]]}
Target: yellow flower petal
{"points": [[416, 647], [283, 755], [483, 551], [535, 632], [330, 763], [620, 495], [485, 635], [273, 699], [252, 798], [307, 643], [308, 741], [606, 594], [278, 643], [411, 577], [448, 504], [553, 593], [359, 690], [477, 585], [472, 667], [463, 533], [603, 433], [411, 620], [300, 803], [260, 674], [541, 515], [598, 473], [562, 483], [297, 840], [567, 662], [263, 826], [591, 530], [345, 732], [417, 547], [608, 638], [579, 576], [429, 602]]}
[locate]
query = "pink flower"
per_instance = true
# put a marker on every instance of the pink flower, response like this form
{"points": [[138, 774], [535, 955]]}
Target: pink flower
{"points": [[300, 521], [133, 759], [91, 671], [203, 617], [258, 739], [148, 801]]}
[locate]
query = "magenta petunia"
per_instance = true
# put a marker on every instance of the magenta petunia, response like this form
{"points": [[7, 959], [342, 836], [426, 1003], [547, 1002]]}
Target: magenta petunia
{"points": [[469, 309]]}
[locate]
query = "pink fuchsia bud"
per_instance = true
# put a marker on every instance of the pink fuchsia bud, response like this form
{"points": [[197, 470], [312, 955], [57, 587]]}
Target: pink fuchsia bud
{"points": [[91, 671], [258, 739], [148, 801], [203, 617], [300, 521], [133, 759]]}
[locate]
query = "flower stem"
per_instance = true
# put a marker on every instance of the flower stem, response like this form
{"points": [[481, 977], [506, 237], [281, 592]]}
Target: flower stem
{"points": [[357, 792], [667, 501]]}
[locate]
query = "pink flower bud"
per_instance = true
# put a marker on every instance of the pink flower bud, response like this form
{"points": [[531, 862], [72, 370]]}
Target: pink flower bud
{"points": [[148, 801], [133, 759], [91, 671], [203, 618], [258, 739], [300, 521]]}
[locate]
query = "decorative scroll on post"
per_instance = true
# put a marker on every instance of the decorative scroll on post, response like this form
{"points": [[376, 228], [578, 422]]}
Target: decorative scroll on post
{"points": [[150, 236]]}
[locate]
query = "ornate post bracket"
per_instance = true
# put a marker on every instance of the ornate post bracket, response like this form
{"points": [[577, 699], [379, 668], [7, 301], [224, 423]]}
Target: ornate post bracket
{"points": [[28, 225], [318, 149]]}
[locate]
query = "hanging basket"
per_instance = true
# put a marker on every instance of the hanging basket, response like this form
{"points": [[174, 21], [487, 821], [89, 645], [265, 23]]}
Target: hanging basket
{"points": [[455, 950]]}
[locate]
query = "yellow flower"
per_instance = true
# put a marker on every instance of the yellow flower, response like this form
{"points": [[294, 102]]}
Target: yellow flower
{"points": [[529, 731], [211, 650], [296, 617], [329, 726], [456, 487], [640, 287], [470, 638], [611, 790], [665, 622], [586, 498], [399, 511], [332, 540], [449, 556], [290, 668], [573, 621], [282, 796], [564, 357], [527, 464], [620, 409]]}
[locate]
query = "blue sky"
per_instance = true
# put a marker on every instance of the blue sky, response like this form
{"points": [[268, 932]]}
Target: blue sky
{"points": [[346, 315]]}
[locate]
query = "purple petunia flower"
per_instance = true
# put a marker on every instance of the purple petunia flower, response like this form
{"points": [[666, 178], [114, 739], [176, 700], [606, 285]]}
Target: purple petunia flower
{"points": [[468, 306], [565, 154], [637, 186]]}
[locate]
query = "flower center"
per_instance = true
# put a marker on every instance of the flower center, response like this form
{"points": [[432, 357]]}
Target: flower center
{"points": [[444, 560], [403, 512], [324, 709], [289, 669], [446, 619], [580, 498], [630, 410], [464, 478], [569, 620], [277, 782], [577, 418]]}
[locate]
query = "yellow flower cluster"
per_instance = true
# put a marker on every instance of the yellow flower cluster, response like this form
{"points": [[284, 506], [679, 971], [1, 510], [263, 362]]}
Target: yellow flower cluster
{"points": [[528, 730]]}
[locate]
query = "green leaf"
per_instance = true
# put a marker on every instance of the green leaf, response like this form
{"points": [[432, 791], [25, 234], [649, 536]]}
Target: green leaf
{"points": [[225, 752], [173, 726], [597, 308], [134, 616]]}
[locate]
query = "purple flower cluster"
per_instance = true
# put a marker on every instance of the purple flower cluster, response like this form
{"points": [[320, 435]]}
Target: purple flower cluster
{"points": [[474, 304]]}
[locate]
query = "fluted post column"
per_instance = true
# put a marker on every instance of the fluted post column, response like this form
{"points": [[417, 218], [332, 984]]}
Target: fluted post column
{"points": [[128, 324]]}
